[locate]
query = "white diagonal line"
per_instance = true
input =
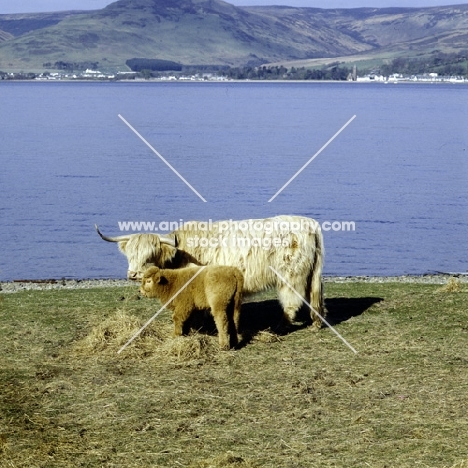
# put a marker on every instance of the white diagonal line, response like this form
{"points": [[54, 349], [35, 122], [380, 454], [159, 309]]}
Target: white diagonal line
{"points": [[161, 309], [314, 311], [162, 158], [312, 158]]}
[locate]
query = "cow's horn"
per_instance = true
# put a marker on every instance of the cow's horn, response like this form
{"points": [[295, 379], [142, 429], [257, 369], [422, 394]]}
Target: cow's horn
{"points": [[111, 239], [168, 241]]}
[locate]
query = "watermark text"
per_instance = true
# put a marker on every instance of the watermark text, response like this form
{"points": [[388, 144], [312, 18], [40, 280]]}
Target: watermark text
{"points": [[230, 226]]}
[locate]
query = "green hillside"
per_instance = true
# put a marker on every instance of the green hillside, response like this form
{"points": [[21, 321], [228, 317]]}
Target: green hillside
{"points": [[209, 32]]}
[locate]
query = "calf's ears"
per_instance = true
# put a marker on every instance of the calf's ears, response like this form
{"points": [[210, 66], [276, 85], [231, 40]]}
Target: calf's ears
{"points": [[161, 279], [151, 271], [155, 273]]}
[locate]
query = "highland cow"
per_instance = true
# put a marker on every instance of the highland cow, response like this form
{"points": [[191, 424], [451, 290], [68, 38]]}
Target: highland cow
{"points": [[291, 245]]}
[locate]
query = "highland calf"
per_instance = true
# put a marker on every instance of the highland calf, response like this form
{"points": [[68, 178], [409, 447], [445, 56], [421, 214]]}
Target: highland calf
{"points": [[218, 288]]}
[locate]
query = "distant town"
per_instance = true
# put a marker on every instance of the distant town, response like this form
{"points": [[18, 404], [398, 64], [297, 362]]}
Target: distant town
{"points": [[96, 75]]}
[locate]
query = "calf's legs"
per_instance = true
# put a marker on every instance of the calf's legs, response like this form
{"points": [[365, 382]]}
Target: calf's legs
{"points": [[222, 325], [179, 317]]}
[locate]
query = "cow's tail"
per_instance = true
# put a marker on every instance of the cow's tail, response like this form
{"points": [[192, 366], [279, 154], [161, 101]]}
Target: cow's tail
{"points": [[316, 286]]}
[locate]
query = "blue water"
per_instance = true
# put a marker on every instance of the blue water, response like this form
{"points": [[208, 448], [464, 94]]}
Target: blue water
{"points": [[399, 170]]}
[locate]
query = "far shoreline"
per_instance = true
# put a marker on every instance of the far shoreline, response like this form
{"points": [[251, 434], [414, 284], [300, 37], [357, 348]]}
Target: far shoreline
{"points": [[13, 286], [158, 81]]}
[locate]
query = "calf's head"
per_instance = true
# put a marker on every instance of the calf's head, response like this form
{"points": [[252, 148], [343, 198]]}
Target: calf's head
{"points": [[151, 281], [143, 251]]}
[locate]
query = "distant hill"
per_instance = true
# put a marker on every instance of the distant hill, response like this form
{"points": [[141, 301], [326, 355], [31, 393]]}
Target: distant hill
{"points": [[22, 23], [213, 32]]}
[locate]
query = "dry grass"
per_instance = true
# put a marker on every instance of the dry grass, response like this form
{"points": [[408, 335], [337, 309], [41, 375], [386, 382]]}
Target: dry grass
{"points": [[289, 399], [461, 464], [453, 285], [267, 336], [228, 459], [155, 341], [115, 331]]}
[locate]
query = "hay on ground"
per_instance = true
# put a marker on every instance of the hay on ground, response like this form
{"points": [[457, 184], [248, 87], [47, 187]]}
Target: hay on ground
{"points": [[453, 285], [195, 346], [461, 464], [155, 340], [223, 461], [267, 336]]}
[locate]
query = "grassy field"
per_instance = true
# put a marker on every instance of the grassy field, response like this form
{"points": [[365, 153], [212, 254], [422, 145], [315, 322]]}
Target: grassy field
{"points": [[284, 399]]}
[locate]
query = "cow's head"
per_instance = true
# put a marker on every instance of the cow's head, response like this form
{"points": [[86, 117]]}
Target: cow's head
{"points": [[143, 251]]}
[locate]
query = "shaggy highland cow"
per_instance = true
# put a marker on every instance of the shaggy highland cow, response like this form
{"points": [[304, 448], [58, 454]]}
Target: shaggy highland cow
{"points": [[289, 245], [218, 288]]}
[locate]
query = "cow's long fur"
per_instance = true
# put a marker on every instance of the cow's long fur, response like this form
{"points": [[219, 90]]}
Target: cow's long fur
{"points": [[299, 258], [218, 288]]}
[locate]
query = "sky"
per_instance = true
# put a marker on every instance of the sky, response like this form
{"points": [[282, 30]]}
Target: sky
{"points": [[35, 6]]}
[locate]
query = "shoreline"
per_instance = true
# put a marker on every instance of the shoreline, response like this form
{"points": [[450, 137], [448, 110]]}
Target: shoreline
{"points": [[156, 80], [63, 284]]}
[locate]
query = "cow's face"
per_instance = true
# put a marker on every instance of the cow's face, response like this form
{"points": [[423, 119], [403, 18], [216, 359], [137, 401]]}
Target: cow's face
{"points": [[136, 267], [135, 275], [144, 251]]}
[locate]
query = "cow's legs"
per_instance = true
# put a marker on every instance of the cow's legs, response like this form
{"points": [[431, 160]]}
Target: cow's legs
{"points": [[291, 304], [289, 300], [315, 299], [318, 310]]}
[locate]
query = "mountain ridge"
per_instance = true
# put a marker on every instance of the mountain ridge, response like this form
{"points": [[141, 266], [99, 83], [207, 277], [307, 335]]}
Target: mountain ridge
{"points": [[214, 32]]}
